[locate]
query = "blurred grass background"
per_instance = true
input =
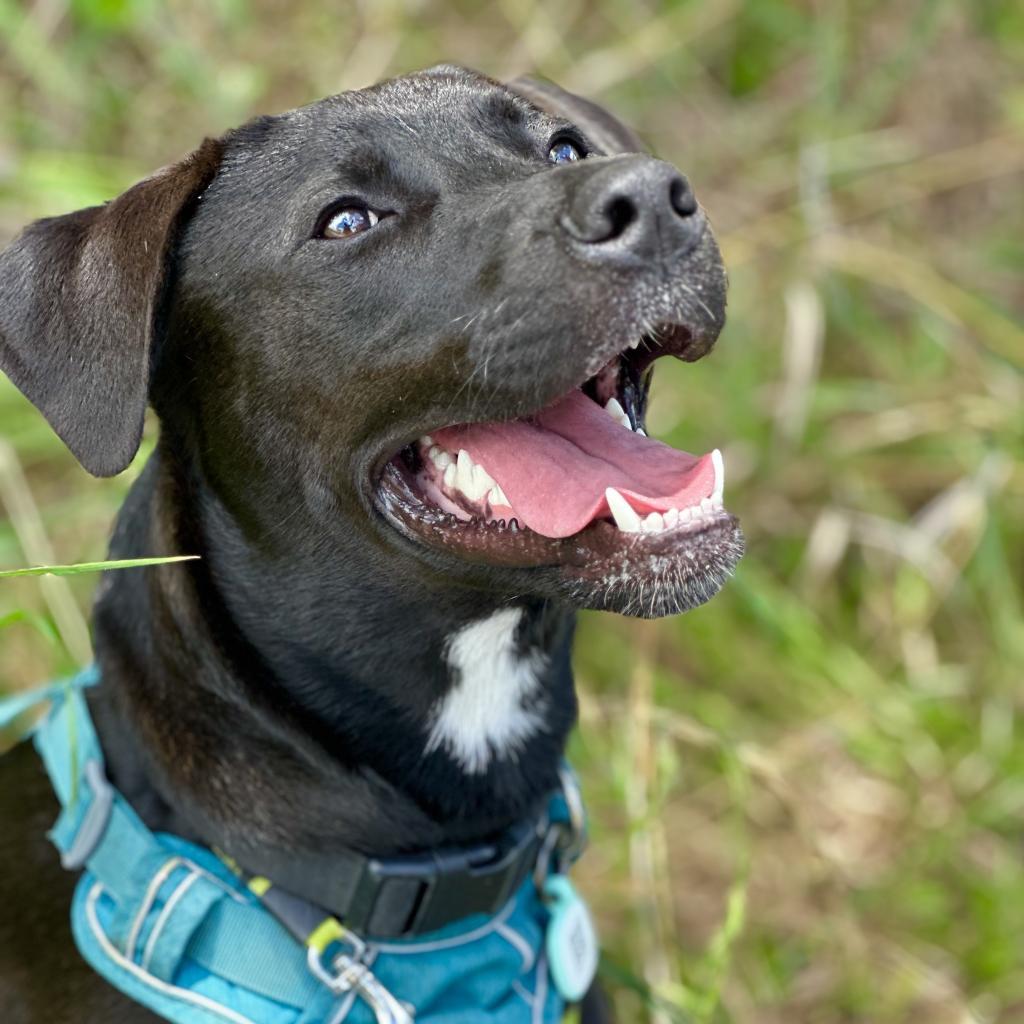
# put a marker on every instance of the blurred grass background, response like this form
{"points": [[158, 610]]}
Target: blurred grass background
{"points": [[807, 796]]}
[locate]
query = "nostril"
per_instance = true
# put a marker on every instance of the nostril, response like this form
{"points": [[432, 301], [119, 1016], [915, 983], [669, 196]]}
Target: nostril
{"points": [[681, 196], [620, 213], [631, 208]]}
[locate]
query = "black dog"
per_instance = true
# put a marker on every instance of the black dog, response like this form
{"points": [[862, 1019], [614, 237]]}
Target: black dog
{"points": [[372, 655]]}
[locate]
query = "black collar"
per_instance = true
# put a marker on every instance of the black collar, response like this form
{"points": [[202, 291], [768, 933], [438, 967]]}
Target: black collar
{"points": [[412, 894]]}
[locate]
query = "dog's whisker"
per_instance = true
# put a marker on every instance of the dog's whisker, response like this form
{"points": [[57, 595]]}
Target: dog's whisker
{"points": [[408, 127], [696, 298]]}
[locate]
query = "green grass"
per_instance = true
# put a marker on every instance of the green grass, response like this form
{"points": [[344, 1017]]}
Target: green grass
{"points": [[807, 797], [82, 568]]}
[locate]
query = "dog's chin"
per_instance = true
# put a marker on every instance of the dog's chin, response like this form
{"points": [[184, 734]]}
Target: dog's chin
{"points": [[574, 502], [652, 577]]}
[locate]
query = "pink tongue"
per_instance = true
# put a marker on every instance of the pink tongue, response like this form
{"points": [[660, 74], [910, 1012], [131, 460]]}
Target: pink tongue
{"points": [[554, 469]]}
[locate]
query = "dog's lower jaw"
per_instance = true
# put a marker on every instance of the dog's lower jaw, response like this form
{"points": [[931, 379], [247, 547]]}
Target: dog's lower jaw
{"points": [[650, 584], [231, 707]]}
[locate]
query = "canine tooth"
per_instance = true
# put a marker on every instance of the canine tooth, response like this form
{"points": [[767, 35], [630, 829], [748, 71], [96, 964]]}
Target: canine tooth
{"points": [[497, 496], [719, 463], [636, 342], [654, 523], [427, 441], [622, 512], [482, 482], [614, 409], [671, 518], [464, 472], [641, 431], [450, 473]]}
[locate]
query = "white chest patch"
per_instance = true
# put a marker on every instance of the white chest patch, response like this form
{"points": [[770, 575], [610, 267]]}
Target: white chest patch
{"points": [[493, 706]]}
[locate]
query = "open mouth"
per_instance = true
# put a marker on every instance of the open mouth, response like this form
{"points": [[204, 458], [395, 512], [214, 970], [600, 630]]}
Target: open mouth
{"points": [[577, 482]]}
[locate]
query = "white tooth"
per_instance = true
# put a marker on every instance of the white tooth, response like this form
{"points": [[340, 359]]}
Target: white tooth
{"points": [[654, 523], [636, 341], [671, 518], [482, 482], [625, 517], [440, 457], [497, 496], [450, 473], [706, 506], [718, 462], [427, 441], [464, 472], [614, 409], [685, 515], [641, 431]]}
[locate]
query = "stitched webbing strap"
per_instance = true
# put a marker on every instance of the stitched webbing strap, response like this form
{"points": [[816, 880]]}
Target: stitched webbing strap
{"points": [[96, 826], [226, 932], [12, 707], [252, 950]]}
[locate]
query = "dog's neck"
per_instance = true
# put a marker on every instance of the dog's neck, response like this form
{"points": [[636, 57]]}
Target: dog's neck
{"points": [[406, 713]]}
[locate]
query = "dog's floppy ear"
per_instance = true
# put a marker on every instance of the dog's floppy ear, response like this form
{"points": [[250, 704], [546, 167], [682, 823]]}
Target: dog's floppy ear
{"points": [[79, 298], [602, 128]]}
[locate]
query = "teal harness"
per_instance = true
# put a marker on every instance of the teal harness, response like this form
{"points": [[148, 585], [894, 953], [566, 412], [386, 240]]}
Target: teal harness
{"points": [[182, 931]]}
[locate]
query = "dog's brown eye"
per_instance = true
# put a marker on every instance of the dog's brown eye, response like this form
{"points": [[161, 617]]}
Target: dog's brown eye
{"points": [[564, 152], [349, 220]]}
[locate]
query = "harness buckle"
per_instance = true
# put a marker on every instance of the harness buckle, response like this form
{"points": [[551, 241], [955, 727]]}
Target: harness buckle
{"points": [[349, 972], [94, 821], [417, 893]]}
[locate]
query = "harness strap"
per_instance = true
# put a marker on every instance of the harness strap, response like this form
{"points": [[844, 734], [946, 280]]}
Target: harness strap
{"points": [[200, 916], [158, 915], [250, 953], [14, 706]]}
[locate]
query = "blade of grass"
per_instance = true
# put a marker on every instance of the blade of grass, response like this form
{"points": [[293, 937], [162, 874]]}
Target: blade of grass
{"points": [[647, 842], [17, 498], [717, 958], [84, 567], [39, 623], [994, 330]]}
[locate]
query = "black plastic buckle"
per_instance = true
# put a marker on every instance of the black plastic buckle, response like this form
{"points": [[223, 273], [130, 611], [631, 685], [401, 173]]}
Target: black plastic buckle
{"points": [[418, 893]]}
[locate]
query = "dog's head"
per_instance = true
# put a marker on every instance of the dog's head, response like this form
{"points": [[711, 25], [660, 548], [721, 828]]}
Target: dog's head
{"points": [[428, 309]]}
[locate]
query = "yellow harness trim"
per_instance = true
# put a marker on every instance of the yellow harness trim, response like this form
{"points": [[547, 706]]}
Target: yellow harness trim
{"points": [[329, 930], [259, 885]]}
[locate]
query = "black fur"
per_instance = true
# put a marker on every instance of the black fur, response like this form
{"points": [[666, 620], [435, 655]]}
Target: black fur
{"points": [[275, 693]]}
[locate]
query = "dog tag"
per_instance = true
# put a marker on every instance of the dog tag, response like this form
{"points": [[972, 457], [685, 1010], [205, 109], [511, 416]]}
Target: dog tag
{"points": [[571, 941]]}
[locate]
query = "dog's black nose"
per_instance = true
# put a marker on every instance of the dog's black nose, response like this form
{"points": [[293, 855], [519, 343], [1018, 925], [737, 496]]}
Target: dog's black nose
{"points": [[631, 208]]}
